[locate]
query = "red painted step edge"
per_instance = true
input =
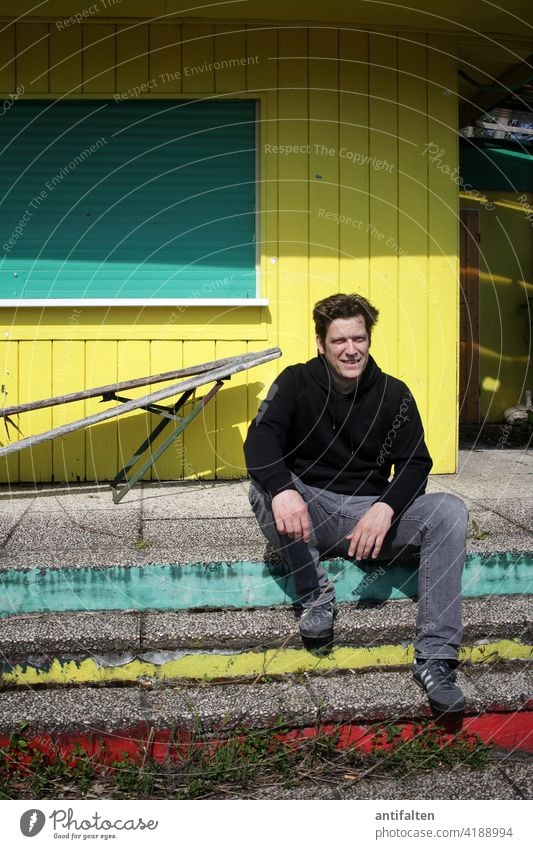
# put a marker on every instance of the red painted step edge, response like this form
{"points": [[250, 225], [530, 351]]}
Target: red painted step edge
{"points": [[508, 731]]}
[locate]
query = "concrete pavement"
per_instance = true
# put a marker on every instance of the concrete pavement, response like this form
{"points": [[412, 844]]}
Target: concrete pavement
{"points": [[78, 525]]}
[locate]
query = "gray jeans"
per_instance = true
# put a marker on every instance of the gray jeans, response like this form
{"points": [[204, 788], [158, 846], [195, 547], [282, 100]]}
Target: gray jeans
{"points": [[434, 524]]}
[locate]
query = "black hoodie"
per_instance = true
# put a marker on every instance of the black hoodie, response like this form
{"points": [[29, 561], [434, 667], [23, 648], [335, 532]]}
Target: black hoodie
{"points": [[347, 443]]}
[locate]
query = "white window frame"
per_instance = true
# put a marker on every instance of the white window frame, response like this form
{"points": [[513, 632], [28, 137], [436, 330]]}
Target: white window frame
{"points": [[257, 301]]}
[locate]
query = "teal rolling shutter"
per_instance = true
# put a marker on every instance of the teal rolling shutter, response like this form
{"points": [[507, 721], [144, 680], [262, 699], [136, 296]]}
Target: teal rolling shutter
{"points": [[142, 199]]}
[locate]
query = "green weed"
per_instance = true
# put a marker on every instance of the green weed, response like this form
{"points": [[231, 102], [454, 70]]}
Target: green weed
{"points": [[141, 543], [429, 747], [233, 763], [476, 532]]}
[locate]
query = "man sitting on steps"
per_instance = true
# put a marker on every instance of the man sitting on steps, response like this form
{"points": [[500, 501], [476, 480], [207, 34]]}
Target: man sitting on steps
{"points": [[321, 452]]}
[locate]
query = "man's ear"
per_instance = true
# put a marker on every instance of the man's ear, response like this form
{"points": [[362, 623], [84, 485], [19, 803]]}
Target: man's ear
{"points": [[320, 345]]}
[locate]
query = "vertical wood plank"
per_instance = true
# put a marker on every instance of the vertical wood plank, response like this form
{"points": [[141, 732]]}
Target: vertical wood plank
{"points": [[383, 187], [261, 51], [412, 224], [165, 58], [198, 56], [68, 375], [99, 58], [8, 82], [324, 158], [199, 439], [262, 77], [101, 441], [32, 59], [443, 253], [230, 54], [259, 381], [354, 211], [9, 396], [133, 428], [35, 382], [232, 413], [65, 59], [293, 195], [132, 57]]}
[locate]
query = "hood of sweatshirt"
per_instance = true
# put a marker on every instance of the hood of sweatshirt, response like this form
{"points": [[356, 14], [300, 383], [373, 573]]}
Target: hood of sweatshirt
{"points": [[339, 406]]}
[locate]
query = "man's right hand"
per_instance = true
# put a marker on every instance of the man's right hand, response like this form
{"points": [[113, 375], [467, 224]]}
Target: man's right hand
{"points": [[291, 515]]}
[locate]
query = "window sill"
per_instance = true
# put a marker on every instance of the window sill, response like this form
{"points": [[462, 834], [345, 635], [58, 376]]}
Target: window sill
{"points": [[136, 302]]}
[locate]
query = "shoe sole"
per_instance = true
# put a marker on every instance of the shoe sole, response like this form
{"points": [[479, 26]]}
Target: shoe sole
{"points": [[321, 635], [438, 706]]}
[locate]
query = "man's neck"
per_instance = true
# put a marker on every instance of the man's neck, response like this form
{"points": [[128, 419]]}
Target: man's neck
{"points": [[343, 385]]}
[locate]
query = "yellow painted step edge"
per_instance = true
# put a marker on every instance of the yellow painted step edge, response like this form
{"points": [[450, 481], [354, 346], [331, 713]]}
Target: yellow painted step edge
{"points": [[207, 667]]}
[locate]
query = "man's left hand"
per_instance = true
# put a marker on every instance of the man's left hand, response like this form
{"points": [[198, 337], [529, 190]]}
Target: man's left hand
{"points": [[367, 537]]}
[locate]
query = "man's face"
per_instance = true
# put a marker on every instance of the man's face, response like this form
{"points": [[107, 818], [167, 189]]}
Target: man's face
{"points": [[346, 348]]}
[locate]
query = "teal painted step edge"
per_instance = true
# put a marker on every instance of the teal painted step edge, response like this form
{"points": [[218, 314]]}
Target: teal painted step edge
{"points": [[241, 584]]}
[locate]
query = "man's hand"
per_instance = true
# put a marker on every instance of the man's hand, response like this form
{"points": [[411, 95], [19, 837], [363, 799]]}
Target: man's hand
{"points": [[291, 515], [367, 537]]}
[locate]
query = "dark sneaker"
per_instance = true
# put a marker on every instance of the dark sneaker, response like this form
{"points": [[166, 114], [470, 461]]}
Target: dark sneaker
{"points": [[437, 678], [316, 621]]}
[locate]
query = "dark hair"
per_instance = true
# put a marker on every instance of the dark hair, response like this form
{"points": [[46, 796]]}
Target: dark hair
{"points": [[343, 306]]}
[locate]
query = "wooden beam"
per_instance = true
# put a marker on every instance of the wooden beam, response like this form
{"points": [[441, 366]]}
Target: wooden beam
{"points": [[483, 101], [112, 388], [232, 366]]}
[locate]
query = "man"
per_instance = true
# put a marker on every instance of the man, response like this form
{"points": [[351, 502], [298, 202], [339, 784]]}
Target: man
{"points": [[320, 453]]}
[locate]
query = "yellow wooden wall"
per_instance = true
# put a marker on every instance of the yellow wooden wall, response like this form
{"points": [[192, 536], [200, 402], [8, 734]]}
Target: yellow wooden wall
{"points": [[363, 108]]}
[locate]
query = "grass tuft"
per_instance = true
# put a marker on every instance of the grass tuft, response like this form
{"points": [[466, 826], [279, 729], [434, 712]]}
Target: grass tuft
{"points": [[197, 765]]}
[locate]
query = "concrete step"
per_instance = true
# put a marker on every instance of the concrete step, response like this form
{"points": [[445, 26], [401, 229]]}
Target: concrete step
{"points": [[485, 619], [66, 648], [241, 583], [297, 701], [220, 670]]}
